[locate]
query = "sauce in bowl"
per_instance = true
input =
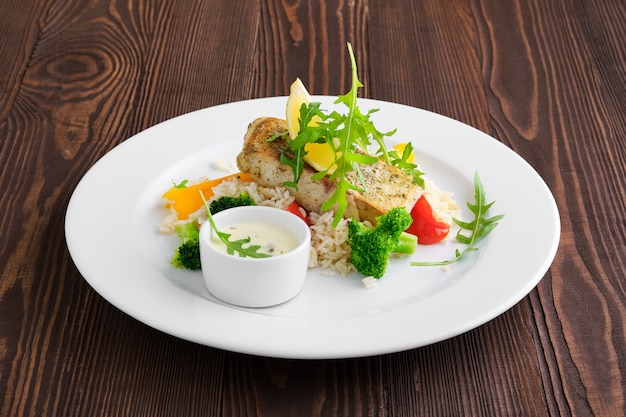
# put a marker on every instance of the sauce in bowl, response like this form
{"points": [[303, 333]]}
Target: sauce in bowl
{"points": [[273, 240]]}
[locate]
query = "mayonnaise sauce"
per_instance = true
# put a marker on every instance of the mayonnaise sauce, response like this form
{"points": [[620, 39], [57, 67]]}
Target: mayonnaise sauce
{"points": [[273, 240]]}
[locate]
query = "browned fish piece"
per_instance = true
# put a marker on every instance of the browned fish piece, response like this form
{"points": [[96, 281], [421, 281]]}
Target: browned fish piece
{"points": [[387, 186]]}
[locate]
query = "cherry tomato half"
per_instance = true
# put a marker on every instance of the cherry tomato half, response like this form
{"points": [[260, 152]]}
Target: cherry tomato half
{"points": [[427, 229], [298, 211]]}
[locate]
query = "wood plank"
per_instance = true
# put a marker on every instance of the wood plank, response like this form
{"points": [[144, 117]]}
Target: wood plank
{"points": [[297, 40], [201, 54], [541, 103], [77, 99], [426, 54], [19, 33]]}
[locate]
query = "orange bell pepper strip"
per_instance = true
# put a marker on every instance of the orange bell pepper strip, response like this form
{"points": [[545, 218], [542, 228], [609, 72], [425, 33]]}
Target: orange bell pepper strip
{"points": [[186, 200]]}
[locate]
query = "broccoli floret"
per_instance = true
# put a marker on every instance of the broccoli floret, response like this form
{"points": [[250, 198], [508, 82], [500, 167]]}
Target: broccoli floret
{"points": [[187, 254], [227, 202], [371, 246]]}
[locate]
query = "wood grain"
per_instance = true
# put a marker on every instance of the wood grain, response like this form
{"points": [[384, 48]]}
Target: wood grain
{"points": [[545, 127], [546, 78], [426, 64], [308, 40]]}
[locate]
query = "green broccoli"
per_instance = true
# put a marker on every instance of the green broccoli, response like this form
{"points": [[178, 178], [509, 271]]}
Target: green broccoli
{"points": [[371, 246], [227, 202], [187, 254]]}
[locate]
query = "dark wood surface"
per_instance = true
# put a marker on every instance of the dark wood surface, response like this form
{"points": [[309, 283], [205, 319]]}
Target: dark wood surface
{"points": [[545, 77]]}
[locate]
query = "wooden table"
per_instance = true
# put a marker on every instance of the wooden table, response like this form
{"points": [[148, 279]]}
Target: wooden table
{"points": [[546, 78]]}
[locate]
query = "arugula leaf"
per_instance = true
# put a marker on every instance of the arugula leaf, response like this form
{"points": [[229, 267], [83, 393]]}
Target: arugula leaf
{"points": [[183, 184], [251, 251], [353, 135], [237, 246], [307, 134], [349, 136], [272, 138], [471, 232], [402, 162]]}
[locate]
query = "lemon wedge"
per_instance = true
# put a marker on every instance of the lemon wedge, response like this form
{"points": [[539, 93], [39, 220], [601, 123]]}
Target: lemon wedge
{"points": [[319, 155], [298, 95], [400, 149]]}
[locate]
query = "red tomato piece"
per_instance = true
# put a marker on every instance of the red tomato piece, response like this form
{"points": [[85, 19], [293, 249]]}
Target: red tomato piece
{"points": [[425, 226], [298, 211]]}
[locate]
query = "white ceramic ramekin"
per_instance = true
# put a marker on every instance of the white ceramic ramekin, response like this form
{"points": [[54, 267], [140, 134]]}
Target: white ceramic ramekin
{"points": [[255, 282]]}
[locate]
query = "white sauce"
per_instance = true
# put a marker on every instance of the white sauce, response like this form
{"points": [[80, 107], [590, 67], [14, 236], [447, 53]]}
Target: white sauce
{"points": [[273, 240]]}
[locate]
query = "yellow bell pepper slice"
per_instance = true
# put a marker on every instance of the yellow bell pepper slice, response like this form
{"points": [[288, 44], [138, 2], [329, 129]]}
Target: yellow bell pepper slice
{"points": [[186, 200]]}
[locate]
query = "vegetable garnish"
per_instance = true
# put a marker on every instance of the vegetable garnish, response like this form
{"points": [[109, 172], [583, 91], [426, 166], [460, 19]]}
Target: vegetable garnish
{"points": [[226, 202], [425, 226], [477, 229], [349, 137], [187, 254], [371, 246], [251, 251], [405, 161], [295, 208], [184, 199], [182, 184]]}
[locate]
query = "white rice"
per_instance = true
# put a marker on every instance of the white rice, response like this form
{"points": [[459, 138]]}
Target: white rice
{"points": [[369, 282], [329, 248], [441, 202], [221, 165]]}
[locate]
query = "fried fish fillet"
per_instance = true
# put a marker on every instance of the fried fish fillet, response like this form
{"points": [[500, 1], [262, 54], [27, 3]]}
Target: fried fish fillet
{"points": [[387, 186]]}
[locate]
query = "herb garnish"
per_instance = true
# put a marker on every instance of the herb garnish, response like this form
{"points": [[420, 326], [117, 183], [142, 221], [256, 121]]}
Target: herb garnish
{"points": [[478, 228], [251, 251], [402, 162], [349, 136], [183, 184]]}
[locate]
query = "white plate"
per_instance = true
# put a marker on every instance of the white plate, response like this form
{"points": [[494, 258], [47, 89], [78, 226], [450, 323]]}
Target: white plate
{"points": [[113, 239]]}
